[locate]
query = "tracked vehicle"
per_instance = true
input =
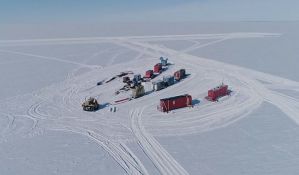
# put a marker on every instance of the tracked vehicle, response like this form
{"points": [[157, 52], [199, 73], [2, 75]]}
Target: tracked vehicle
{"points": [[90, 105]]}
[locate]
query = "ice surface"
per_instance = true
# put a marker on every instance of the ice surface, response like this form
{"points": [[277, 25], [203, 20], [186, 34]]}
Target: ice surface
{"points": [[265, 142], [43, 83], [55, 153]]}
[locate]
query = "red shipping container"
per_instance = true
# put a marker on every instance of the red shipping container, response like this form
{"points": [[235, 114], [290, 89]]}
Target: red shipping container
{"points": [[220, 91], [158, 68], [168, 104]]}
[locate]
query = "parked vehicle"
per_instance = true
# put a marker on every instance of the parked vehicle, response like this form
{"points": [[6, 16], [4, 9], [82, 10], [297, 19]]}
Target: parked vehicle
{"points": [[90, 105]]}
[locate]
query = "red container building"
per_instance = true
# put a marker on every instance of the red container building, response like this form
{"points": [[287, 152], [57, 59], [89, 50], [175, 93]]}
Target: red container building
{"points": [[149, 74], [158, 68], [180, 74], [220, 91], [168, 104]]}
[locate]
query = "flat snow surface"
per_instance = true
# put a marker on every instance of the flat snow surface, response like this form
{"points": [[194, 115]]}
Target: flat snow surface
{"points": [[252, 131]]}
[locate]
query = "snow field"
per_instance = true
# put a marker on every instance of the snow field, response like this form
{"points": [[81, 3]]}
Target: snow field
{"points": [[58, 107]]}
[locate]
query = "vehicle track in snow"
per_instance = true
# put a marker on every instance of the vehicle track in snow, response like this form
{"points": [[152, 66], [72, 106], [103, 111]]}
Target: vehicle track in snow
{"points": [[249, 81], [47, 58], [164, 162], [117, 150], [58, 107], [9, 124]]}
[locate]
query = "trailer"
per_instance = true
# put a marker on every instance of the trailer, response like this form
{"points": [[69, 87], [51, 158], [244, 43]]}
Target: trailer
{"points": [[149, 74], [158, 85], [217, 92], [180, 74], [181, 101], [158, 68]]}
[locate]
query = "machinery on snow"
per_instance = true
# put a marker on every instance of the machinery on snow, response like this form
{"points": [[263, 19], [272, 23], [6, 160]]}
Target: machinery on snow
{"points": [[90, 104]]}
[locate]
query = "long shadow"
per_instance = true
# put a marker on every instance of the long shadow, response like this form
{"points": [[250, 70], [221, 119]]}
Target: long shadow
{"points": [[164, 69], [148, 92], [104, 105], [195, 102]]}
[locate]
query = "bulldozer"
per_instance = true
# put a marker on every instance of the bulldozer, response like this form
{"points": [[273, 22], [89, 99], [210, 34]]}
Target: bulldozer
{"points": [[90, 105]]}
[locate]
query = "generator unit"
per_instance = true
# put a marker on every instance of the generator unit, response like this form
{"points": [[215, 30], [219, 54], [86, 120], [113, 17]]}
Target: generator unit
{"points": [[158, 85]]}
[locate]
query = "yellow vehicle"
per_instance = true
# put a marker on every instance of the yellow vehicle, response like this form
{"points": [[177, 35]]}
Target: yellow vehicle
{"points": [[90, 105]]}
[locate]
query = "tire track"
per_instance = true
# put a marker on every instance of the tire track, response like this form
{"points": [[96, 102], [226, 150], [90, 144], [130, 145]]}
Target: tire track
{"points": [[164, 162]]}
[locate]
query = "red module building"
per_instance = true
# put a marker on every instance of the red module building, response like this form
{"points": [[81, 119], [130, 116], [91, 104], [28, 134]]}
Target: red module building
{"points": [[220, 91], [158, 68], [168, 104], [178, 75], [149, 74]]}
